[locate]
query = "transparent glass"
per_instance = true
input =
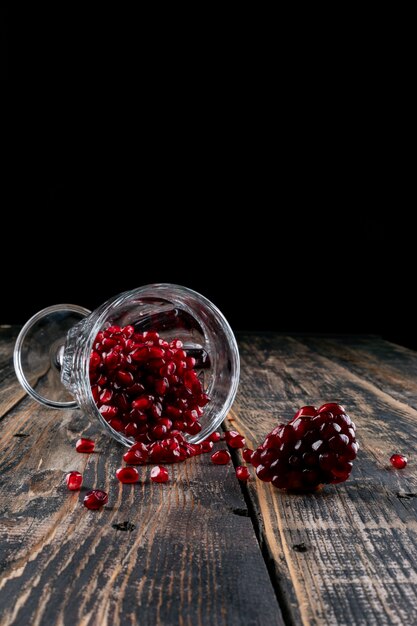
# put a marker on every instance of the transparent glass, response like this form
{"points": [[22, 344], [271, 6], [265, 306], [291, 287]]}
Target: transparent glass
{"points": [[52, 352]]}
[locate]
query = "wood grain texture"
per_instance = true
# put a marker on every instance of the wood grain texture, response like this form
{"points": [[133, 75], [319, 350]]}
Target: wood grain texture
{"points": [[192, 558], [359, 566]]}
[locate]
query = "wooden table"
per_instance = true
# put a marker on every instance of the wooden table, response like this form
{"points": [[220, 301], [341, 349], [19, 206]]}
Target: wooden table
{"points": [[205, 549]]}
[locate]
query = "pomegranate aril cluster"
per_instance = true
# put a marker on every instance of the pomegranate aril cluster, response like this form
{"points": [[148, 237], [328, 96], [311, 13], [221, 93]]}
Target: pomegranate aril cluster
{"points": [[317, 446], [146, 388]]}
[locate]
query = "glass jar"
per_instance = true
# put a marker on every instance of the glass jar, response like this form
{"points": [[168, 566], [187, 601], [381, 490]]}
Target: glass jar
{"points": [[52, 352]]}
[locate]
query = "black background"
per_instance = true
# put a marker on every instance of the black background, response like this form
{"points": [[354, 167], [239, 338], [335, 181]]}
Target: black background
{"points": [[281, 192]]}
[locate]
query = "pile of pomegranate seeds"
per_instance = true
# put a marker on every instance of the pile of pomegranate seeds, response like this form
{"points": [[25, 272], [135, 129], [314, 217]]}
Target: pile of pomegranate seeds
{"points": [[74, 481], [145, 387], [399, 461], [95, 499], [316, 447]]}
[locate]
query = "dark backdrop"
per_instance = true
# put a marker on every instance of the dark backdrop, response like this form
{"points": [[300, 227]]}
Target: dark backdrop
{"points": [[347, 271], [280, 190]]}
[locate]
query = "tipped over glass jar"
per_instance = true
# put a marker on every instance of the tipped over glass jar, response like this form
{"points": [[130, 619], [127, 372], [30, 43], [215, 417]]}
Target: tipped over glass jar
{"points": [[150, 362]]}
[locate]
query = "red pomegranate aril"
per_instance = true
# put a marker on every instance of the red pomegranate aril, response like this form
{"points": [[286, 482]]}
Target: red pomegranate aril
{"points": [[156, 353], [74, 481], [161, 386], [159, 431], [214, 437], [159, 474], [399, 461], [142, 403], [136, 457], [95, 360], [106, 396], [111, 360], [127, 475], [116, 424], [242, 473], [128, 331], [95, 499], [140, 354], [194, 428], [237, 442], [125, 378], [333, 408], [309, 411], [203, 399], [135, 390], [206, 446], [166, 422], [131, 429], [247, 454], [85, 445], [111, 330], [221, 457], [264, 473], [190, 416]]}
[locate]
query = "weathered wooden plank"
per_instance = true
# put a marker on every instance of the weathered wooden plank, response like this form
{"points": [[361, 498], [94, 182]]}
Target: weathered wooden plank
{"points": [[390, 367], [11, 391], [361, 536], [192, 558]]}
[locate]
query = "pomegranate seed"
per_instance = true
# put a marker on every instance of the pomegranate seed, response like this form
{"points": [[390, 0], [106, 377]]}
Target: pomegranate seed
{"points": [[161, 386], [136, 455], [207, 446], [142, 403], [399, 461], [159, 431], [214, 437], [95, 499], [234, 439], [108, 412], [125, 378], [332, 407], [127, 475], [106, 396], [242, 473], [194, 429], [95, 360], [159, 474], [111, 359], [221, 457], [128, 331], [74, 481], [247, 454], [111, 330], [85, 445]]}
